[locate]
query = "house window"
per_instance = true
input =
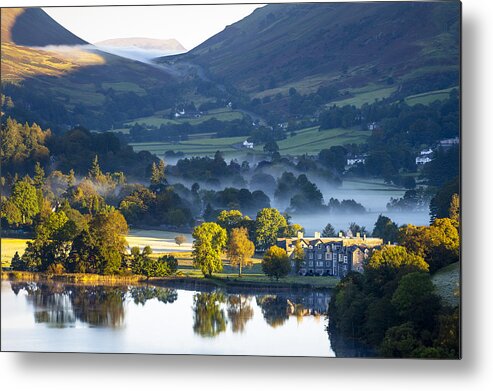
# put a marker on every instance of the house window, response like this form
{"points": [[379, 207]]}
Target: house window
{"points": [[327, 264], [345, 259], [319, 256], [310, 256], [327, 256], [310, 264]]}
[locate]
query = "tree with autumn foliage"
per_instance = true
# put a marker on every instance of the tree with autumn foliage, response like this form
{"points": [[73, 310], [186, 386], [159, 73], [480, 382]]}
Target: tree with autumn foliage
{"points": [[240, 249]]}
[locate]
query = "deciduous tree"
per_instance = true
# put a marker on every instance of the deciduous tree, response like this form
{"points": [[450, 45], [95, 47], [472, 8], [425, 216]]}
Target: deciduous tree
{"points": [[240, 249], [208, 245], [276, 263]]}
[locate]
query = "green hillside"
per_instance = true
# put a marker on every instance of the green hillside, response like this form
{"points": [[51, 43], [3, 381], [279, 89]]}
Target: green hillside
{"points": [[60, 88], [309, 141], [344, 45]]}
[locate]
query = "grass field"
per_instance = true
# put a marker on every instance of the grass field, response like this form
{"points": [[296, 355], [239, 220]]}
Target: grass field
{"points": [[367, 94], [195, 147], [10, 247], [429, 97], [447, 282], [158, 120], [309, 140]]}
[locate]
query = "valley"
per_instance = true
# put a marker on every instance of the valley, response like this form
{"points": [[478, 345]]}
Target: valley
{"points": [[304, 157]]}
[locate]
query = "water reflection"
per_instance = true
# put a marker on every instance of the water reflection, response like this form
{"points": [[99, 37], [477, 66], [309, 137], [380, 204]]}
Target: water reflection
{"points": [[60, 305], [240, 312], [209, 318], [141, 295], [52, 316]]}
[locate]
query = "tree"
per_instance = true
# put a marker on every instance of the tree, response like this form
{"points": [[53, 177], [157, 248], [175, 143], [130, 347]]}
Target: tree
{"points": [[180, 239], [329, 231], [395, 257], [25, 198], [95, 171], [144, 265], [438, 244], [39, 176], [208, 245], [53, 227], [271, 147], [268, 224], [108, 228], [158, 173], [229, 219], [276, 263], [440, 203], [240, 248], [17, 263], [454, 209], [400, 341], [11, 213], [415, 300], [298, 255], [386, 229]]}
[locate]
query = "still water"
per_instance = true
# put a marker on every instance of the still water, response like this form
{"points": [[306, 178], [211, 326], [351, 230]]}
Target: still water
{"points": [[50, 316]]}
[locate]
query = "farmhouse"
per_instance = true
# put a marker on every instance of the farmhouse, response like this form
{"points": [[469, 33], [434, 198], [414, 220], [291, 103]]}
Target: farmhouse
{"points": [[330, 256], [351, 161], [423, 160], [449, 142], [247, 145]]}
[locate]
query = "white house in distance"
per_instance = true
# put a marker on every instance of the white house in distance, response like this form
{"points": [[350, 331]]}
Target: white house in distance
{"points": [[449, 142], [425, 156], [351, 161], [247, 145]]}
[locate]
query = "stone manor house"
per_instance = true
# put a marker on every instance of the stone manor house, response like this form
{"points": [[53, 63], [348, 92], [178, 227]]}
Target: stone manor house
{"points": [[330, 256]]}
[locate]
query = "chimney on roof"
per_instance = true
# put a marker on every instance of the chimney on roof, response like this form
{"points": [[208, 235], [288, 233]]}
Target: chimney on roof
{"points": [[340, 234], [364, 237], [300, 234], [358, 235], [317, 235]]}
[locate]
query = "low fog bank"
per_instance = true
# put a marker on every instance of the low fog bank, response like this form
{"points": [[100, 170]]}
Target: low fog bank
{"points": [[138, 54], [317, 222]]}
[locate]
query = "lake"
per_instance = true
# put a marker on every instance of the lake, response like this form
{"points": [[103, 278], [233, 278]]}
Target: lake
{"points": [[58, 317]]}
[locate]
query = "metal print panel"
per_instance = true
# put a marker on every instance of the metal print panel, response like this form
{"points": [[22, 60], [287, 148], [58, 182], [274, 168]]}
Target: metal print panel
{"points": [[262, 179]]}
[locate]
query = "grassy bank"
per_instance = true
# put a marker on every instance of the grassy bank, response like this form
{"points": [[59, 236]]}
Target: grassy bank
{"points": [[447, 283], [217, 280]]}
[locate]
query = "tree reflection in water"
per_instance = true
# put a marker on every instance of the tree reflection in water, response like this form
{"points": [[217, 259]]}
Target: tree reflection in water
{"points": [[209, 319], [141, 294], [61, 305], [239, 312], [274, 309]]}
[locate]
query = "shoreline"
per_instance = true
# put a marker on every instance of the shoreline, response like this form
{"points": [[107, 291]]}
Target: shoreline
{"points": [[180, 282]]}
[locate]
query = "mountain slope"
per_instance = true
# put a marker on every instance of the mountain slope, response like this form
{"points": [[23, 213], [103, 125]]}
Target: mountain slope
{"points": [[34, 27], [62, 86], [344, 45]]}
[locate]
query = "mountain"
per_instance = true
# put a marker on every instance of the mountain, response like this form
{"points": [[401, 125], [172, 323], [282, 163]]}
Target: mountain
{"points": [[34, 27], [58, 80], [165, 45], [341, 45]]}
